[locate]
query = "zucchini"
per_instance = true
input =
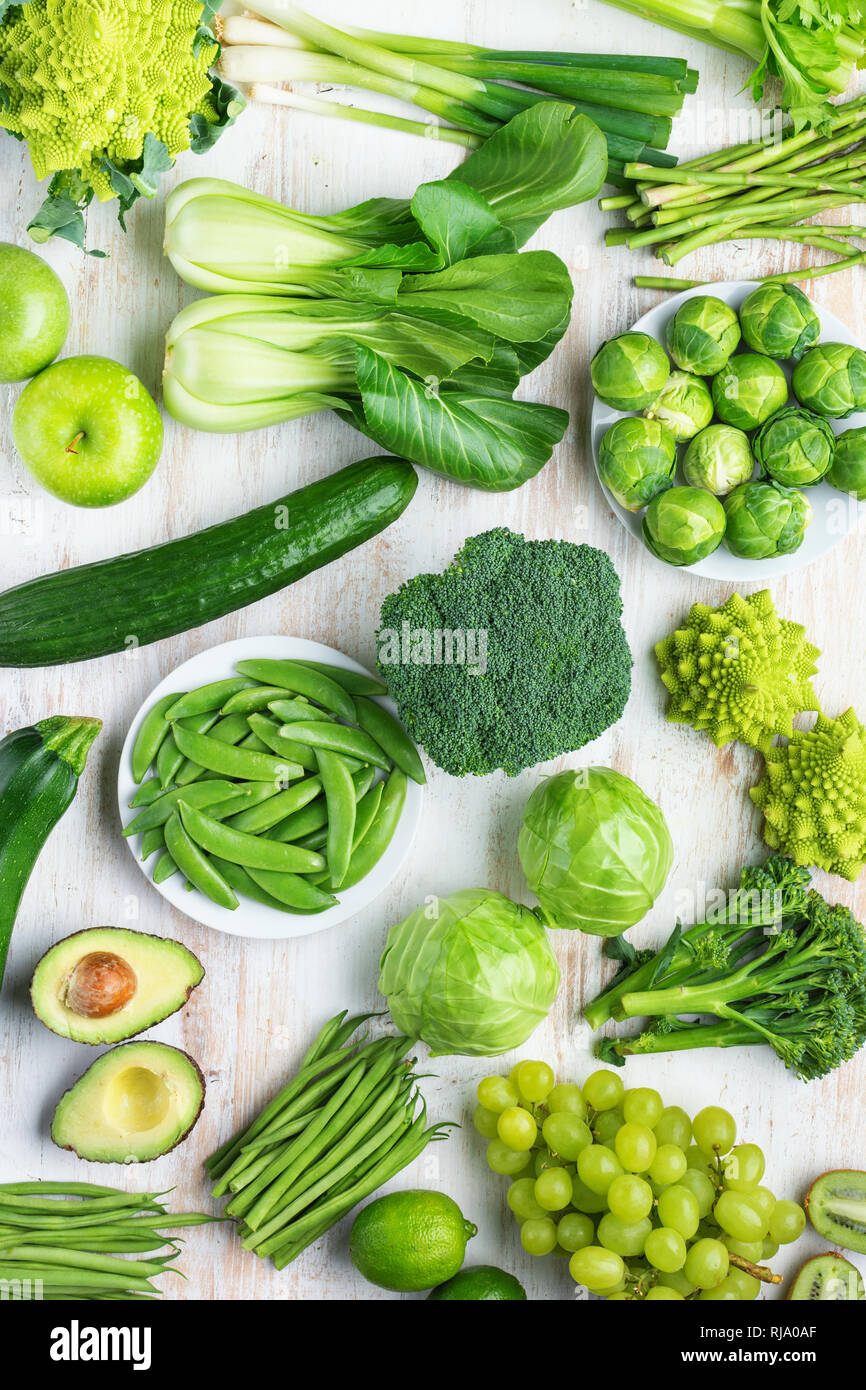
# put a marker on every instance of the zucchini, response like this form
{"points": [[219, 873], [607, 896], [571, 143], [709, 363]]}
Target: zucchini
{"points": [[39, 771], [76, 614]]}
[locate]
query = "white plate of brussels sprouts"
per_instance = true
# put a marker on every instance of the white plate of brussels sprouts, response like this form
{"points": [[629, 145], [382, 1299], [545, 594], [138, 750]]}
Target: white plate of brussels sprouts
{"points": [[729, 430]]}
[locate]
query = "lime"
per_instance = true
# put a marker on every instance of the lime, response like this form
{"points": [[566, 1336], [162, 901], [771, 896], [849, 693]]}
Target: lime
{"points": [[481, 1282], [410, 1241]]}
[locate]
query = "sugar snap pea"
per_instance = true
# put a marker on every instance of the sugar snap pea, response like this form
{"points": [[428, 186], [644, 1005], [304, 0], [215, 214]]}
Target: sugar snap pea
{"points": [[294, 891], [269, 733], [391, 737], [194, 865], [170, 758], [147, 793], [237, 877], [339, 738], [340, 801], [206, 697], [302, 680], [245, 796], [381, 832], [288, 710], [252, 699], [150, 736], [315, 815], [165, 867], [229, 761], [151, 841], [355, 682], [158, 812], [258, 818], [367, 809], [253, 851]]}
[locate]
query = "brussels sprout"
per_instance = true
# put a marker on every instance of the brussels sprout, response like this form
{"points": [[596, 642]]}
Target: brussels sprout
{"points": [[795, 446], [718, 459], [748, 390], [702, 334], [780, 321], [765, 519], [637, 459], [831, 379], [684, 404], [629, 371], [848, 469], [684, 525]]}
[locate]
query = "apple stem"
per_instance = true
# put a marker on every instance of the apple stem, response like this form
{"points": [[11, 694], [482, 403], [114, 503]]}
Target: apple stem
{"points": [[70, 448]]}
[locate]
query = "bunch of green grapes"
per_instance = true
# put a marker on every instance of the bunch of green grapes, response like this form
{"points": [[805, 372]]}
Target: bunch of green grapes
{"points": [[646, 1202]]}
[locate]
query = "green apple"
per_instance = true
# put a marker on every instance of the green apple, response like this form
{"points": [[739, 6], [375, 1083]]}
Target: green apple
{"points": [[34, 313], [88, 431]]}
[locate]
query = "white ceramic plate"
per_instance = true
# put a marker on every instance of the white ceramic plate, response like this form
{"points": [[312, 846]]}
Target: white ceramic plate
{"points": [[835, 513], [251, 918]]}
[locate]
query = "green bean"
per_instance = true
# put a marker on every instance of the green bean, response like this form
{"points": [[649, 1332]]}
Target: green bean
{"points": [[322, 1040], [147, 792], [194, 865], [206, 697], [340, 801], [355, 682], [224, 758], [302, 680], [165, 868], [289, 710], [381, 832], [284, 1131], [253, 699], [151, 841], [338, 738], [83, 1259], [392, 737], [170, 758], [269, 733], [278, 807], [150, 736], [158, 812], [294, 891], [253, 851]]}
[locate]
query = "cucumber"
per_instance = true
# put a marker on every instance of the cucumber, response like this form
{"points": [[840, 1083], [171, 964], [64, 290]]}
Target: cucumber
{"points": [[77, 614], [39, 771]]}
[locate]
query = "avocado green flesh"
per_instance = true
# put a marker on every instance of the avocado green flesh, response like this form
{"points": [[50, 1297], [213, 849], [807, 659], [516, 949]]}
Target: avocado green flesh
{"points": [[132, 1105], [166, 974]]}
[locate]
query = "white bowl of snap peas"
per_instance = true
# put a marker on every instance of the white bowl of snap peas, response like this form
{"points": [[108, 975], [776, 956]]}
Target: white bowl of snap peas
{"points": [[279, 796]]}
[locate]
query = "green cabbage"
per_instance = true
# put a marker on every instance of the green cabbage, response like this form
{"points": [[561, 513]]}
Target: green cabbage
{"points": [[472, 973], [595, 850]]}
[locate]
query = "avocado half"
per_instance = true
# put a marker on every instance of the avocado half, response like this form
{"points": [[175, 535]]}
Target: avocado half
{"points": [[132, 1105], [107, 983]]}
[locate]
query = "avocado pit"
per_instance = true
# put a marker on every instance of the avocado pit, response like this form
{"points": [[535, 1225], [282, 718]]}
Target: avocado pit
{"points": [[100, 984]]}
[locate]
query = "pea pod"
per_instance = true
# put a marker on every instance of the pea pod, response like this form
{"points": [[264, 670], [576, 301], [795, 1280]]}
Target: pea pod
{"points": [[238, 879], [165, 867], [253, 851], [194, 865], [368, 807], [147, 793], [381, 832], [294, 891], [355, 682], [314, 816], [339, 738], [224, 758], [150, 736], [231, 729], [151, 841], [257, 819], [269, 734], [340, 801], [390, 736], [288, 710], [252, 699], [170, 758], [206, 697], [246, 796], [158, 812], [302, 680]]}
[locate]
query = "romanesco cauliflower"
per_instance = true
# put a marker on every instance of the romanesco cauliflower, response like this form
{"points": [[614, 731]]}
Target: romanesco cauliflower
{"points": [[107, 93]]}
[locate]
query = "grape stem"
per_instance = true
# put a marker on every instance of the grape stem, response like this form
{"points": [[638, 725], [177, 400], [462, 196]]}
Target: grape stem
{"points": [[762, 1272]]}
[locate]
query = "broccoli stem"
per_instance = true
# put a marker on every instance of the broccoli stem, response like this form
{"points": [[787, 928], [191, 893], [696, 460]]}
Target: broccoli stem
{"points": [[725, 1033]]}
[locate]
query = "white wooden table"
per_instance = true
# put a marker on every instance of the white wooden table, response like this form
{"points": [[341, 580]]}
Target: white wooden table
{"points": [[262, 1001]]}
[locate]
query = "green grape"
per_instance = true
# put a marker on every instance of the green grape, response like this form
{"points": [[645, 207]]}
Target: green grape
{"points": [[620, 1297], [643, 1106], [603, 1090], [764, 1200], [697, 1159], [626, 1238], [769, 1248], [599, 1270], [737, 1217], [659, 1294], [706, 1264], [544, 1159], [674, 1127], [521, 1199], [517, 1128], [630, 1198], [668, 1165], [574, 1231], [567, 1099], [665, 1249], [585, 1200], [597, 1167], [751, 1250], [496, 1093], [678, 1208], [566, 1134], [553, 1189], [534, 1080], [747, 1286], [606, 1125], [635, 1147], [744, 1167], [538, 1237], [787, 1222], [715, 1130], [677, 1281], [703, 1188], [485, 1122], [726, 1292], [504, 1160]]}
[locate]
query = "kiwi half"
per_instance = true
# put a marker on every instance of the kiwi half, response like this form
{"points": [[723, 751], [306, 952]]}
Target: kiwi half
{"points": [[827, 1278], [836, 1204]]}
